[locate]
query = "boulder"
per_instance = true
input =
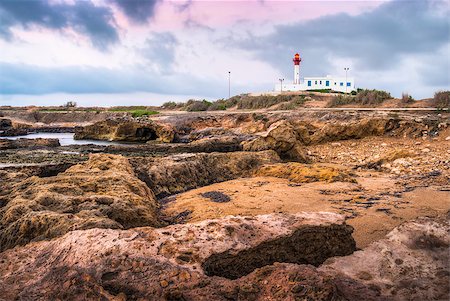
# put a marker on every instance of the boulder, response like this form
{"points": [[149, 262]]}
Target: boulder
{"points": [[180, 262], [282, 138], [100, 193], [181, 172], [126, 129]]}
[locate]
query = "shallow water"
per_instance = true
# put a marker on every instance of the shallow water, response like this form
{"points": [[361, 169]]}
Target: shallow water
{"points": [[64, 139]]}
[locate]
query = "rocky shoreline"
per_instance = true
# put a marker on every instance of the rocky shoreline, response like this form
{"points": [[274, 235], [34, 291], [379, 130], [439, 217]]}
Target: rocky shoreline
{"points": [[235, 206]]}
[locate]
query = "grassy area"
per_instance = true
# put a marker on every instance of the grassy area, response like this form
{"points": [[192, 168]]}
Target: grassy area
{"points": [[140, 113], [127, 109], [135, 111]]}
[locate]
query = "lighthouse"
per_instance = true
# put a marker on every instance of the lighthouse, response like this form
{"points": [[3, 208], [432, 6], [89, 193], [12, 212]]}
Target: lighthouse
{"points": [[297, 61], [342, 84]]}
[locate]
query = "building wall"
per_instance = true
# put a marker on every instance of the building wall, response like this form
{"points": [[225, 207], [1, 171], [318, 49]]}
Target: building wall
{"points": [[317, 83]]}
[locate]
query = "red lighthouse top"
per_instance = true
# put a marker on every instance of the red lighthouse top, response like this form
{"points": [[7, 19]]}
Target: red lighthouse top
{"points": [[297, 59]]}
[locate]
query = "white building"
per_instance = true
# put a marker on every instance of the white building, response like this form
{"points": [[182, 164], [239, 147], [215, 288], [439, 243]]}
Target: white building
{"points": [[340, 84]]}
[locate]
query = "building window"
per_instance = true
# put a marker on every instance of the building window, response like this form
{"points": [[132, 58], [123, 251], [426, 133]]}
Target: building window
{"points": [[320, 82], [309, 83], [327, 83], [348, 84], [335, 83], [315, 82], [341, 84]]}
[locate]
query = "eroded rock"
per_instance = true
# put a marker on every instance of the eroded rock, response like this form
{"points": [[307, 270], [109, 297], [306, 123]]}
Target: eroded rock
{"points": [[126, 129], [174, 261], [178, 173], [303, 173], [100, 193], [28, 143], [411, 263], [282, 138]]}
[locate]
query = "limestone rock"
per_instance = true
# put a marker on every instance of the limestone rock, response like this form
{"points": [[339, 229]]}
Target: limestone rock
{"points": [[26, 143], [173, 263], [208, 132], [100, 193], [303, 173], [282, 138], [411, 263], [126, 129], [5, 124], [181, 172]]}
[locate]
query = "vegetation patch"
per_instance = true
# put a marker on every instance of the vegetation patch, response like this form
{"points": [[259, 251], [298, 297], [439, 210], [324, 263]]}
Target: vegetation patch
{"points": [[363, 97], [441, 100], [140, 113]]}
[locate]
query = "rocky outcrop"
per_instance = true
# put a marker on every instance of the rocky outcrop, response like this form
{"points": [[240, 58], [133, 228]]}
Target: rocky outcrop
{"points": [[100, 193], [208, 132], [27, 143], [60, 116], [5, 124], [204, 145], [288, 137], [177, 262], [411, 263], [302, 173], [282, 138], [178, 173], [126, 129], [351, 130], [10, 128], [182, 262]]}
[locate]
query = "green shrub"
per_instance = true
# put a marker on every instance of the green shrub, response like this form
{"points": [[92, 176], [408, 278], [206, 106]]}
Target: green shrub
{"points": [[441, 100], [197, 105], [217, 106], [406, 98], [262, 101], [170, 105], [363, 97], [372, 97], [341, 100]]}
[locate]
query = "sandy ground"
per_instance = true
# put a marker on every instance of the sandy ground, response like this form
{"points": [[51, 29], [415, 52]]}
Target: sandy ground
{"points": [[381, 199], [373, 206]]}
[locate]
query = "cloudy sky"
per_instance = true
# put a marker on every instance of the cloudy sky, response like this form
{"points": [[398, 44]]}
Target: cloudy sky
{"points": [[109, 52]]}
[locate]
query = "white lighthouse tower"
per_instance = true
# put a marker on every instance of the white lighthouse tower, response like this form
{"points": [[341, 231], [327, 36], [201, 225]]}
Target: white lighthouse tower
{"points": [[297, 61]]}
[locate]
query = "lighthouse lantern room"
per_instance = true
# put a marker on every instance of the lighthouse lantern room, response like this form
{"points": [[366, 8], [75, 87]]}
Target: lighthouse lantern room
{"points": [[297, 61]]}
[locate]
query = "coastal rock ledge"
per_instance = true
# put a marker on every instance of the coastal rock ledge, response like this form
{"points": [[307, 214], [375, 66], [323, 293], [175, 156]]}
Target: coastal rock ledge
{"points": [[160, 264], [129, 130]]}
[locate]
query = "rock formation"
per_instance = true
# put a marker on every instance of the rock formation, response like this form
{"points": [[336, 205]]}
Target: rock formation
{"points": [[100, 193], [126, 129], [302, 173], [5, 124], [182, 262], [175, 261], [28, 143], [178, 173], [282, 138], [411, 263]]}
